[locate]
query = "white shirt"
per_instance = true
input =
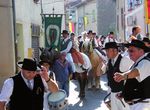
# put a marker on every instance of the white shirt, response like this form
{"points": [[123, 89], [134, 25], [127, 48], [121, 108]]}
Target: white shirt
{"points": [[68, 47], [144, 68], [125, 63], [87, 64], [7, 88], [108, 39], [45, 102]]}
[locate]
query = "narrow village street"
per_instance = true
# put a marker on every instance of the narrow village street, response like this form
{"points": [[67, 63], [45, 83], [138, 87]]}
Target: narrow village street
{"points": [[74, 54], [93, 99]]}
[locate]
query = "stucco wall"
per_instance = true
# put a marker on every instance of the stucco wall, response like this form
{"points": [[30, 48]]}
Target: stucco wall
{"points": [[7, 54], [27, 13], [138, 13], [58, 6], [86, 10], [120, 23], [106, 16]]}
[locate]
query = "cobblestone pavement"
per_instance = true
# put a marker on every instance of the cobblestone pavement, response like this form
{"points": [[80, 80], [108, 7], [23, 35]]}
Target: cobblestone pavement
{"points": [[93, 100]]}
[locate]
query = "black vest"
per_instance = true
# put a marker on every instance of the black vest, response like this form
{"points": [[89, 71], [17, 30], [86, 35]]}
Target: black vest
{"points": [[63, 45], [111, 70], [23, 98], [134, 89]]}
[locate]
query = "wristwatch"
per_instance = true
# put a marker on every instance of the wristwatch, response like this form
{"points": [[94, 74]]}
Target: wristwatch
{"points": [[126, 76]]}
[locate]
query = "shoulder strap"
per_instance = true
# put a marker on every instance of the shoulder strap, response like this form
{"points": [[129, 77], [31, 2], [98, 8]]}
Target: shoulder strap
{"points": [[145, 58]]}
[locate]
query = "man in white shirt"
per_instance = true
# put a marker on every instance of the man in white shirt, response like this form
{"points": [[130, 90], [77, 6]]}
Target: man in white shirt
{"points": [[110, 38], [136, 89], [51, 74], [65, 47], [116, 63], [25, 90]]}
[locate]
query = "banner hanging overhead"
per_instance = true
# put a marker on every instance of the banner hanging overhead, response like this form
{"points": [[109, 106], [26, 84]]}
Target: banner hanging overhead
{"points": [[147, 11], [71, 27], [52, 30]]}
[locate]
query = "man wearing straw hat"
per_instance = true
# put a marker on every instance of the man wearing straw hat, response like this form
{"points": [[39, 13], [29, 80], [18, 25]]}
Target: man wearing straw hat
{"points": [[25, 90]]}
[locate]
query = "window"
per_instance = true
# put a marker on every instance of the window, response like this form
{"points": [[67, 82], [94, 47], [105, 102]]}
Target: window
{"points": [[35, 30], [36, 1], [130, 5], [138, 2]]}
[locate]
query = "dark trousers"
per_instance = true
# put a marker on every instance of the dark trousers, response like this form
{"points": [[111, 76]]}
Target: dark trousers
{"points": [[82, 79]]}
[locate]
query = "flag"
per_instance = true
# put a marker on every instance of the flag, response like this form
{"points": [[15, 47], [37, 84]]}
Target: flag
{"points": [[147, 11], [71, 27], [86, 21], [52, 30]]}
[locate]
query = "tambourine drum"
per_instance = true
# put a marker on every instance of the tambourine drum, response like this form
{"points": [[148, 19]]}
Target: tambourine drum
{"points": [[58, 101]]}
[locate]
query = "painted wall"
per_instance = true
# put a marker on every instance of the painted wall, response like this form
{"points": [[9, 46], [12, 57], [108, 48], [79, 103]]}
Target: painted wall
{"points": [[137, 17], [89, 11], [106, 16], [27, 13], [120, 20], [58, 6], [7, 52]]}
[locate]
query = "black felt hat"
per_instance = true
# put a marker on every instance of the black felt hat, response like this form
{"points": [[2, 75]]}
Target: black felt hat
{"points": [[65, 32], [29, 64], [138, 44], [145, 39], [90, 31], [111, 45]]}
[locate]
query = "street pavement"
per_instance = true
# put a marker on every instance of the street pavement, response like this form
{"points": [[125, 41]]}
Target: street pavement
{"points": [[93, 99]]}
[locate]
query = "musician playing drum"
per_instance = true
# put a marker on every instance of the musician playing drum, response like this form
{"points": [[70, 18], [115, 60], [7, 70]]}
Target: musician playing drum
{"points": [[25, 90], [51, 74]]}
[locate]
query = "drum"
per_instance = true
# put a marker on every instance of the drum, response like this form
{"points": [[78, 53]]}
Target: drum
{"points": [[58, 100]]}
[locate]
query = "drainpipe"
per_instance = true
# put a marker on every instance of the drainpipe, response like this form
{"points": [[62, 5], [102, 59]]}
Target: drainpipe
{"points": [[14, 27], [124, 18]]}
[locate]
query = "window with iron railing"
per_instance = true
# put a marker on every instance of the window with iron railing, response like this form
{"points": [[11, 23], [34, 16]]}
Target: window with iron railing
{"points": [[35, 30]]}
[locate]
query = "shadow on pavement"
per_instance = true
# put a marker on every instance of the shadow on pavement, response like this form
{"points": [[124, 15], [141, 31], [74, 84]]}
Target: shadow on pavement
{"points": [[93, 98]]}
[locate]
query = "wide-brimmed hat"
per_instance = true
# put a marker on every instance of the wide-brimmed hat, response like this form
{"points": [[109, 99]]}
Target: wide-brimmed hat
{"points": [[90, 31], [65, 32], [111, 45], [29, 64], [111, 32], [138, 44], [145, 39]]}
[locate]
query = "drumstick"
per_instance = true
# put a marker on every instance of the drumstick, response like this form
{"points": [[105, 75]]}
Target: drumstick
{"points": [[122, 102]]}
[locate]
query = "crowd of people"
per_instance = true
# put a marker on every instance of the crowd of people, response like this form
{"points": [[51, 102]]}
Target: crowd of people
{"points": [[127, 72]]}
